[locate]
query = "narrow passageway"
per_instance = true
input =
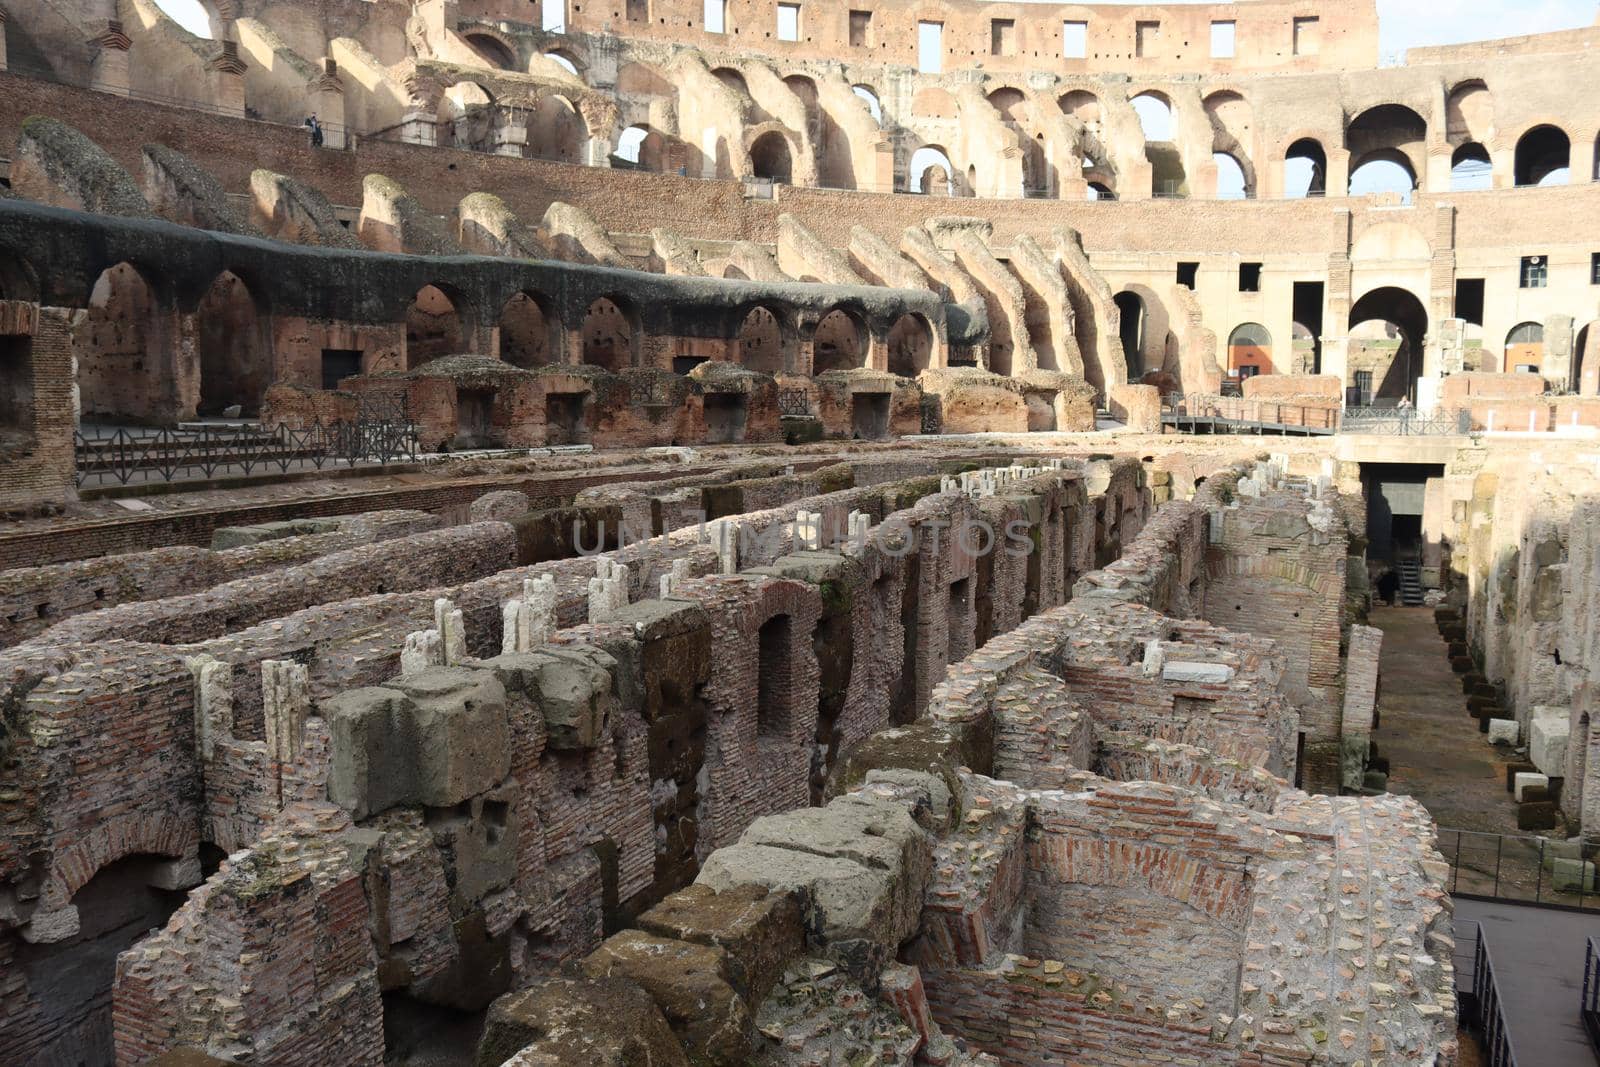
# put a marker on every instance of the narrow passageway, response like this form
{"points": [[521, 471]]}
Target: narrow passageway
{"points": [[1435, 751]]}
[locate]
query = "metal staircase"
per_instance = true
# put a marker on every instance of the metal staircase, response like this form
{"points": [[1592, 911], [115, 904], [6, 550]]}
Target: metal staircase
{"points": [[1409, 571]]}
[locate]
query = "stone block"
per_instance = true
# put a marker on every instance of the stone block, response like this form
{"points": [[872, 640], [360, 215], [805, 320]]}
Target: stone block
{"points": [[576, 1022], [690, 984], [478, 841], [1205, 673], [1547, 740], [571, 687], [435, 738], [759, 930], [1571, 875], [1526, 779], [1504, 731], [1536, 815], [1514, 768]]}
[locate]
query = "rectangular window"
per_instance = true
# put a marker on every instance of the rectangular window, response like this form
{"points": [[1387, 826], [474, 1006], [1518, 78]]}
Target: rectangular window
{"points": [[1594, 268], [716, 16], [930, 47], [1002, 37], [1307, 36], [1535, 272], [1469, 299], [638, 10], [1075, 40], [339, 364], [1364, 387], [1222, 40], [860, 29], [788, 22], [553, 16], [1187, 273], [1249, 277], [1145, 36]]}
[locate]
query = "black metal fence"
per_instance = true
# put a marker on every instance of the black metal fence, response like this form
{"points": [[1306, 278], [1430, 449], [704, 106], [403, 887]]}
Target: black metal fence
{"points": [[127, 456], [1589, 1009], [1524, 870], [1404, 422], [794, 402], [1478, 998]]}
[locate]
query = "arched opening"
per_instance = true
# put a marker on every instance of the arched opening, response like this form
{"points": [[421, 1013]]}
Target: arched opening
{"points": [[1525, 348], [1384, 171], [931, 172], [761, 342], [1388, 132], [492, 51], [1305, 169], [1099, 190], [70, 980], [563, 61], [1469, 112], [191, 15], [1543, 157], [910, 345], [640, 148], [1081, 105], [1470, 168], [733, 80], [1011, 103], [1131, 328], [235, 362], [769, 157], [1249, 350], [556, 130], [123, 353], [465, 117], [433, 327], [609, 334], [1155, 116], [1387, 329], [529, 332], [1231, 183], [837, 343], [773, 661], [870, 98]]}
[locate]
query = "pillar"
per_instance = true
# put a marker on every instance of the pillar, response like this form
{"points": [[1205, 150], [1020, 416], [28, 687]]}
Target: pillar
{"points": [[327, 95], [1337, 181], [110, 74]]}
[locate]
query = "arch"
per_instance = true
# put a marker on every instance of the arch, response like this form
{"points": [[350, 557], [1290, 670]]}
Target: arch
{"points": [[192, 15], [838, 342], [492, 50], [530, 332], [565, 60], [1543, 157], [1469, 112], [869, 97], [1305, 169], [762, 343], [910, 345], [1470, 168], [125, 358], [1155, 114], [611, 333], [1384, 170], [435, 326], [770, 157], [235, 355], [1010, 102], [921, 175], [1524, 347], [1385, 126], [1132, 311], [732, 79], [556, 130], [1080, 104], [1250, 350], [641, 147], [1231, 181], [1100, 190], [1394, 373], [465, 117]]}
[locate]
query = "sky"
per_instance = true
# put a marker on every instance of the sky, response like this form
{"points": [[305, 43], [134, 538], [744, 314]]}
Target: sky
{"points": [[1402, 23]]}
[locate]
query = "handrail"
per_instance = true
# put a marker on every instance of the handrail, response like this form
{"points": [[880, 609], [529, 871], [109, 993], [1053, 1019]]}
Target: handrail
{"points": [[1490, 1019], [1520, 869]]}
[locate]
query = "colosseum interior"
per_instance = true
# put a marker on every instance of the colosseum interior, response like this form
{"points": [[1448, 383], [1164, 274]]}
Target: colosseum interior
{"points": [[802, 535]]}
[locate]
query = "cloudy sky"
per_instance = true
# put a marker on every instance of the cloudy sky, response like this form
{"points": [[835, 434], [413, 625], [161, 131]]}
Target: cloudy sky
{"points": [[1405, 23]]}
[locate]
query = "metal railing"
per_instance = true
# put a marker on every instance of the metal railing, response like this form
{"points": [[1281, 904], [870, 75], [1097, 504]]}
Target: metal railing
{"points": [[1237, 415], [123, 456], [1404, 422], [1526, 870], [1481, 1011], [1589, 1008]]}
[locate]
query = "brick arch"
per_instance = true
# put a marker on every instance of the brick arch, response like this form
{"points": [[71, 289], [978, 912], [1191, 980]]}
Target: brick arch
{"points": [[1278, 567], [1222, 894], [131, 834]]}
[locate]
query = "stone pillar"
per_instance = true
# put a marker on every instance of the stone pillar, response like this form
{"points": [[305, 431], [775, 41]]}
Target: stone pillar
{"points": [[1557, 365], [227, 81], [419, 127], [2, 38], [327, 100], [1437, 177], [110, 73], [1337, 180]]}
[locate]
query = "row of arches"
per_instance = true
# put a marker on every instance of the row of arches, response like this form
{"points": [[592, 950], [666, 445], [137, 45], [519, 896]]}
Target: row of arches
{"points": [[129, 369]]}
